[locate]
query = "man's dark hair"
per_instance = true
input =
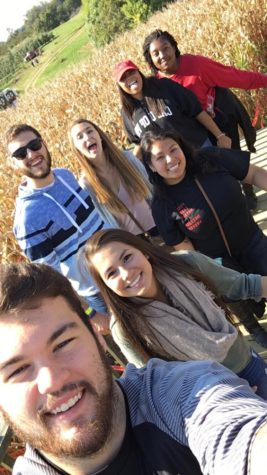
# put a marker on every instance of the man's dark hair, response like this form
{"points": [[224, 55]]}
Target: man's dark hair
{"points": [[25, 284], [155, 35], [17, 129]]}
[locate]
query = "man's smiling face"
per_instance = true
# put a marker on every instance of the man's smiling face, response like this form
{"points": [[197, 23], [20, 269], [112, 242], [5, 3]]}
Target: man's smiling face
{"points": [[37, 162], [55, 386]]}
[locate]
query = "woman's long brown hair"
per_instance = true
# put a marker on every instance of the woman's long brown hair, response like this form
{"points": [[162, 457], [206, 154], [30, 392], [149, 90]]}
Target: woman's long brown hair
{"points": [[136, 185], [129, 313]]}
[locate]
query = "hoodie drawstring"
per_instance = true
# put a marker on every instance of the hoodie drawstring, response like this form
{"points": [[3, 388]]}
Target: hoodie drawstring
{"points": [[73, 222]]}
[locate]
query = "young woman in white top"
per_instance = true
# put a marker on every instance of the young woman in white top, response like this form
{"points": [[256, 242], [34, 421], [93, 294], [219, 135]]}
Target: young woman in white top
{"points": [[116, 180]]}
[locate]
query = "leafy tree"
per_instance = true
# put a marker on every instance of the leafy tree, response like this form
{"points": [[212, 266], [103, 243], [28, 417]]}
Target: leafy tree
{"points": [[3, 48], [32, 15], [15, 37], [135, 11], [71, 5], [105, 20], [47, 16]]}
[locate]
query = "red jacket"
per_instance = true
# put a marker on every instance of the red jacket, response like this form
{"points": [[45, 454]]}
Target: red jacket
{"points": [[202, 75]]}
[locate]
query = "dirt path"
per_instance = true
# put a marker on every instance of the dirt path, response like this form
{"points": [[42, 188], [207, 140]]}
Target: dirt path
{"points": [[42, 66]]}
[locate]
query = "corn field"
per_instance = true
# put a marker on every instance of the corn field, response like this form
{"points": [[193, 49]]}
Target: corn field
{"points": [[232, 32]]}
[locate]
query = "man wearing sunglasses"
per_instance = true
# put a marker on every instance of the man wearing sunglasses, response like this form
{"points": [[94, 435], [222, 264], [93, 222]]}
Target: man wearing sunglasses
{"points": [[54, 216]]}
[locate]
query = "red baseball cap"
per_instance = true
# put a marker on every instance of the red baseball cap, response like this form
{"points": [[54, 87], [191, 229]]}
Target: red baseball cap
{"points": [[121, 67]]}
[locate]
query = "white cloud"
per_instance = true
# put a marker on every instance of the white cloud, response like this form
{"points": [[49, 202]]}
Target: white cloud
{"points": [[13, 13]]}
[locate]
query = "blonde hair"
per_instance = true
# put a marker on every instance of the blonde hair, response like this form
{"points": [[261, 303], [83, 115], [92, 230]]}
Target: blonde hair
{"points": [[136, 185]]}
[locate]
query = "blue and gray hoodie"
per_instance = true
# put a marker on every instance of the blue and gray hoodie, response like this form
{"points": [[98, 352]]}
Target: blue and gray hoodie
{"points": [[52, 224]]}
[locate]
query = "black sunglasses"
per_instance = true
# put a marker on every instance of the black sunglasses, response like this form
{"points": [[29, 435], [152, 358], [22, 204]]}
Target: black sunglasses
{"points": [[33, 145]]}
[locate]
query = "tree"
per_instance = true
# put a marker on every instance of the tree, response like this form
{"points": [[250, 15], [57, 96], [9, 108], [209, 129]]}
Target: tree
{"points": [[71, 5], [47, 16], [105, 20], [3, 48], [135, 11], [32, 15]]}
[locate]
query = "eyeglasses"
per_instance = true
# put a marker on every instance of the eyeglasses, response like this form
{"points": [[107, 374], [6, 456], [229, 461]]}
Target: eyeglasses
{"points": [[33, 145]]}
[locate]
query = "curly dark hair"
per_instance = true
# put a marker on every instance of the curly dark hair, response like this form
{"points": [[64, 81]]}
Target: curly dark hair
{"points": [[155, 35]]}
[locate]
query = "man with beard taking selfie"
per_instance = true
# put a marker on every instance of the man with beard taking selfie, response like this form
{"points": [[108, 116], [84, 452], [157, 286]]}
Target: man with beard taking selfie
{"points": [[58, 395]]}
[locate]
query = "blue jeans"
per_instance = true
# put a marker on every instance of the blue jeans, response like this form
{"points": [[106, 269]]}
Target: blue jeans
{"points": [[96, 301], [256, 374]]}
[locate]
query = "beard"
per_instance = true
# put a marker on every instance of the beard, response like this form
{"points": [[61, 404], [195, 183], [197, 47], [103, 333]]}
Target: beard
{"points": [[39, 175], [86, 435]]}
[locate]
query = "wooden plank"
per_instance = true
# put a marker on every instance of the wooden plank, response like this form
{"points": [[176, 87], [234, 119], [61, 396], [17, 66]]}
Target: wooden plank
{"points": [[260, 145], [260, 215]]}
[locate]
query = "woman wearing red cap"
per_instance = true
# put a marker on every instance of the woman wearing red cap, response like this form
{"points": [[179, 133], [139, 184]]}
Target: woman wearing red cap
{"points": [[148, 102]]}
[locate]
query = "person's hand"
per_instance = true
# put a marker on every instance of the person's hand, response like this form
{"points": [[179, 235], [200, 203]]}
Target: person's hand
{"points": [[101, 323], [223, 141]]}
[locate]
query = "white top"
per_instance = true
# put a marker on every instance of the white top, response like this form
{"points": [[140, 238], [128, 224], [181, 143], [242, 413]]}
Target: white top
{"points": [[140, 210]]}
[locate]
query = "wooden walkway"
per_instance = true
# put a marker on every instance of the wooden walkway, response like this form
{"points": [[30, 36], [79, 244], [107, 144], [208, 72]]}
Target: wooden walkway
{"points": [[260, 215]]}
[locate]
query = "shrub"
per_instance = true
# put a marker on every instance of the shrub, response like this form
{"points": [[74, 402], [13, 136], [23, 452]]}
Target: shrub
{"points": [[108, 18], [135, 11], [105, 20]]}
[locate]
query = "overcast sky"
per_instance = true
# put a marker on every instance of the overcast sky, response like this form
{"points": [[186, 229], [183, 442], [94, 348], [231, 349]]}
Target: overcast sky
{"points": [[12, 14]]}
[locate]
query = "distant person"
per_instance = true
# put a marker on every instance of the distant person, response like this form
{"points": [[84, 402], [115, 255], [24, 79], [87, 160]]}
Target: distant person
{"points": [[148, 103], [11, 97], [205, 78], [32, 56], [54, 216], [58, 395], [116, 180]]}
